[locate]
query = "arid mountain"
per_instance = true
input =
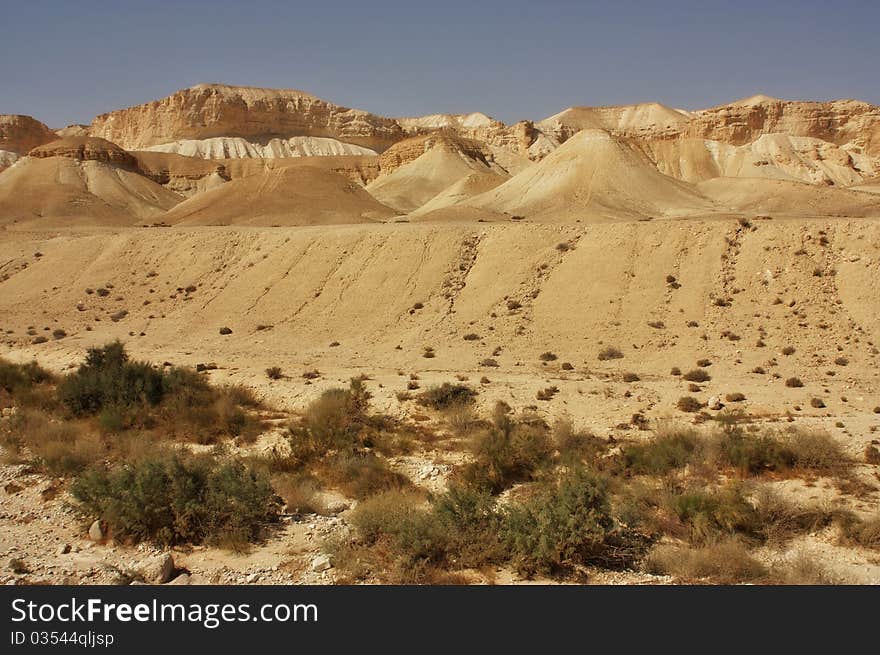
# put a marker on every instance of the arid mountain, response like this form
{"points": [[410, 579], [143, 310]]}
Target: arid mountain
{"points": [[582, 164], [215, 110]]}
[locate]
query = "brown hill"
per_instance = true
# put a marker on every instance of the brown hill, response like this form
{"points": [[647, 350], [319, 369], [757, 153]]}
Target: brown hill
{"points": [[288, 195], [20, 134]]}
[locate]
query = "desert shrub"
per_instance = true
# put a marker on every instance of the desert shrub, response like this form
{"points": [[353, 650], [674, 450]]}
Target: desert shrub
{"points": [[446, 395], [815, 450], [505, 453], [461, 418], [170, 499], [384, 513], [299, 492], [689, 404], [753, 454], [709, 515], [17, 378], [108, 378], [803, 570], [671, 448], [780, 520], [735, 397], [489, 362], [274, 373], [58, 447], [675, 371], [575, 446], [872, 454], [725, 562], [363, 474], [697, 375], [817, 403], [703, 363], [858, 531], [334, 420], [630, 377], [565, 524], [609, 352], [548, 357], [788, 350], [794, 383]]}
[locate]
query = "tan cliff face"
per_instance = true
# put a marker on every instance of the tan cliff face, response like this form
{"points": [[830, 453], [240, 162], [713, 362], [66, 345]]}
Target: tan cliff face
{"points": [[214, 110], [19, 134]]}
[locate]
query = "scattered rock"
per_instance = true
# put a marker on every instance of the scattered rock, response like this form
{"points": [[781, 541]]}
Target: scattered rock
{"points": [[715, 403], [63, 549], [225, 330]]}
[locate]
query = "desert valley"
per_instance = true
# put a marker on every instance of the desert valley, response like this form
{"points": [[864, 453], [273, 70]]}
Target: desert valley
{"points": [[629, 344]]}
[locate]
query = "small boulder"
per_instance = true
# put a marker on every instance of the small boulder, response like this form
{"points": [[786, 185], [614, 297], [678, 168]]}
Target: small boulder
{"points": [[225, 330], [321, 563], [715, 403], [182, 579], [157, 569], [96, 532]]}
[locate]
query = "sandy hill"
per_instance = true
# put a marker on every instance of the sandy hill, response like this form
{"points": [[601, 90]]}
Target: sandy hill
{"points": [[593, 176], [782, 197], [56, 191], [461, 191], [237, 148], [291, 195], [416, 170]]}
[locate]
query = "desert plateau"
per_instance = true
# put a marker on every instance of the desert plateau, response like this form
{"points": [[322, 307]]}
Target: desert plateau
{"points": [[250, 336]]}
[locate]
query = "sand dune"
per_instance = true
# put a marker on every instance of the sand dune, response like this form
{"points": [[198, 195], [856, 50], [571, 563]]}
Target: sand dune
{"points": [[60, 191], [296, 195], [593, 176]]}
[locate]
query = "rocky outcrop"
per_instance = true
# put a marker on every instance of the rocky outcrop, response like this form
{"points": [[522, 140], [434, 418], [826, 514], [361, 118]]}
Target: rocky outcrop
{"points": [[86, 148], [841, 122], [212, 110], [20, 134]]}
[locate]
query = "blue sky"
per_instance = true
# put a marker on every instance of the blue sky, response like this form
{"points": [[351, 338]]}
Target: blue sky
{"points": [[64, 62]]}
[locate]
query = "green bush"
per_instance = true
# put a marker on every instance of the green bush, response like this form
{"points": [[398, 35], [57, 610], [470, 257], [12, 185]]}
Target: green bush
{"points": [[108, 378], [446, 395], [565, 524], [170, 499]]}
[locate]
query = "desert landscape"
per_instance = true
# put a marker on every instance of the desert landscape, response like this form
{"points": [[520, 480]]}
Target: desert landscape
{"points": [[254, 337]]}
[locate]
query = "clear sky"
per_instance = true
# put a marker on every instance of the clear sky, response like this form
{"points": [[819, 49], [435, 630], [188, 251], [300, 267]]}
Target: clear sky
{"points": [[66, 61]]}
